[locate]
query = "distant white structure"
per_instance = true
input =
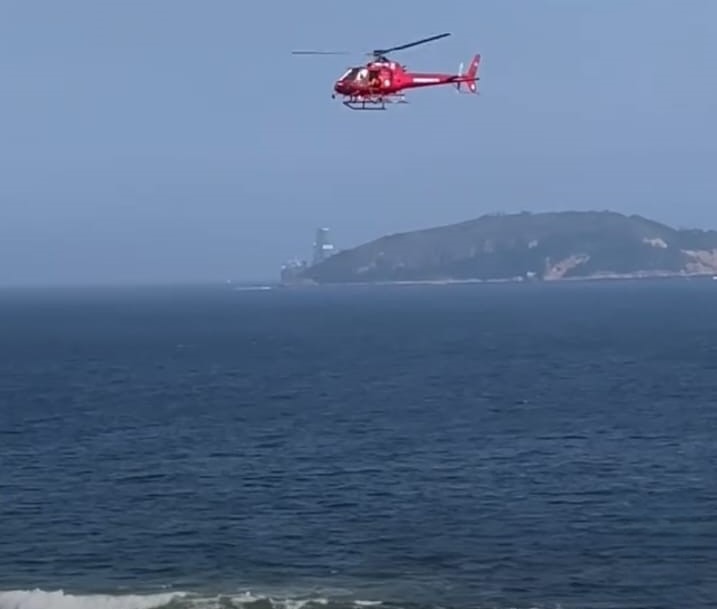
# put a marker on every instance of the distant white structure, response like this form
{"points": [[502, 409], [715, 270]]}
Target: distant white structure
{"points": [[323, 248]]}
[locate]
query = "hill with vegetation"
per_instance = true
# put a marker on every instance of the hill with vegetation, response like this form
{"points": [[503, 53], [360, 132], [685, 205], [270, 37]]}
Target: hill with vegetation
{"points": [[541, 246]]}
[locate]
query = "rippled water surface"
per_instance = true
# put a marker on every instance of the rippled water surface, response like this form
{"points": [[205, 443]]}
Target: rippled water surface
{"points": [[419, 446]]}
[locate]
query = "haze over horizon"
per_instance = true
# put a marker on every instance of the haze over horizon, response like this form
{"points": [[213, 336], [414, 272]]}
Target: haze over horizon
{"points": [[178, 141]]}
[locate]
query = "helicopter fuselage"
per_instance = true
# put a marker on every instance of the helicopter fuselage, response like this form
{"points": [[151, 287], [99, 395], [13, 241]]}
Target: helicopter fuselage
{"points": [[389, 78]]}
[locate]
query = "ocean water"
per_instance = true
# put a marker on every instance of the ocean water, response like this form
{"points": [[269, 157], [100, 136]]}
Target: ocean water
{"points": [[455, 447]]}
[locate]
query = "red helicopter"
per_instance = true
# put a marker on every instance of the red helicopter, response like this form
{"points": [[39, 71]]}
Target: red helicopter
{"points": [[382, 81]]}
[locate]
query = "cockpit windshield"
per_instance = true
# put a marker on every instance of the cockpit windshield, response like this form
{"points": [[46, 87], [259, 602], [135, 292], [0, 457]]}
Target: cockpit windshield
{"points": [[350, 74]]}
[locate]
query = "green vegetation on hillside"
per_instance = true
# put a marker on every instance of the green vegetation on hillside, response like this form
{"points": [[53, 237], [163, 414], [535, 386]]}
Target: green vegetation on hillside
{"points": [[556, 245]]}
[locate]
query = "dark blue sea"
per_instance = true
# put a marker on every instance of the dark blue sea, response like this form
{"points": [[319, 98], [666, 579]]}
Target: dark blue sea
{"points": [[457, 446]]}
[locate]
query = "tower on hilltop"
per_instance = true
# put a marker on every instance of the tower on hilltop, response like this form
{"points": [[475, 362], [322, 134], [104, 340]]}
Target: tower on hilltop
{"points": [[323, 248]]}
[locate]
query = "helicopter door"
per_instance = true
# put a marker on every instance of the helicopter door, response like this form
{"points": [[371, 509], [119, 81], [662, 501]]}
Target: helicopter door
{"points": [[386, 78]]}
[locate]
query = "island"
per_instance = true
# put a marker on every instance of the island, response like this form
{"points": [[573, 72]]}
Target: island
{"points": [[524, 246]]}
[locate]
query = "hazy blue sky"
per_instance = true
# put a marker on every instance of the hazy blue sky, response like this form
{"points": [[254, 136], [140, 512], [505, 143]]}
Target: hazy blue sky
{"points": [[164, 140]]}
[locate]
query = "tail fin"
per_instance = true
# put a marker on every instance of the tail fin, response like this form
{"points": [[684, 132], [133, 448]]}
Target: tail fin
{"points": [[470, 77]]}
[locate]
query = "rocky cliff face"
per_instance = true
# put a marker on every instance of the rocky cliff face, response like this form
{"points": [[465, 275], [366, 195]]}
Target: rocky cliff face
{"points": [[547, 246]]}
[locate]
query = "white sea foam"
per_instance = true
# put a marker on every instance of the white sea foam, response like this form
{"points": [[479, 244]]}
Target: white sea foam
{"points": [[41, 599], [248, 598]]}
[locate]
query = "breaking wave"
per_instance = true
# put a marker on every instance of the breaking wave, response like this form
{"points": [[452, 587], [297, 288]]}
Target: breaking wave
{"points": [[41, 599], [58, 599]]}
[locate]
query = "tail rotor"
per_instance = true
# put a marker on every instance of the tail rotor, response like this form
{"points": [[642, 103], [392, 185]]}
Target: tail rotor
{"points": [[460, 72]]}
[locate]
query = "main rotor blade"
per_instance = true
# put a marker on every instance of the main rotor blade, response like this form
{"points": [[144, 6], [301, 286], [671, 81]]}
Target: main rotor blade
{"points": [[320, 53], [410, 44]]}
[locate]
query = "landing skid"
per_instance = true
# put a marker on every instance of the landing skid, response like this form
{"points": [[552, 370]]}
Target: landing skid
{"points": [[372, 103], [364, 105]]}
